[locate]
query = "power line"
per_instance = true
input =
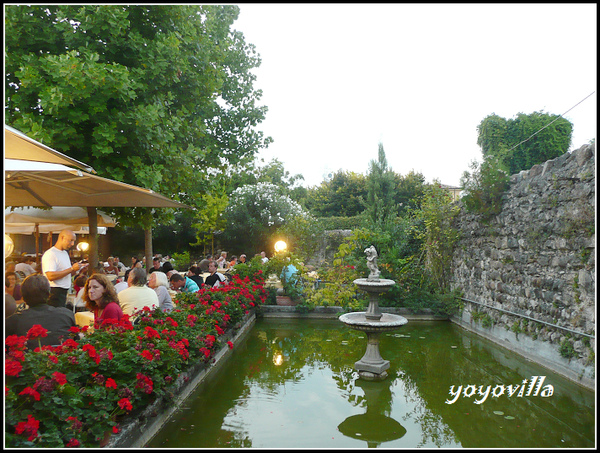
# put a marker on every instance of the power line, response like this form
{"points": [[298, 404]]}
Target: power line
{"points": [[555, 119]]}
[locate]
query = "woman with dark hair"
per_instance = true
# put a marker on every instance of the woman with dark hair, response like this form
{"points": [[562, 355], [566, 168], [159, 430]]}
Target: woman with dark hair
{"points": [[101, 299], [12, 286], [57, 320]]}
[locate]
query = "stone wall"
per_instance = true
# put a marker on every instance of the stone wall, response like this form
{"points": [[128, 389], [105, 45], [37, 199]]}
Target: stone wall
{"points": [[535, 261], [328, 246]]}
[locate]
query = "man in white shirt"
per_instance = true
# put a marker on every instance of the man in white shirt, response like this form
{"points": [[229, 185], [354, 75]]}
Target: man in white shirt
{"points": [[137, 295], [57, 267]]}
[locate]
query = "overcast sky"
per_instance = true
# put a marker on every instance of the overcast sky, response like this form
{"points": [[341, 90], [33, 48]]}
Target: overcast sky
{"points": [[419, 78]]}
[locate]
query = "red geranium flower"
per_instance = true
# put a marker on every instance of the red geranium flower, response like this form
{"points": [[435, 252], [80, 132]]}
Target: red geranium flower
{"points": [[230, 344], [31, 392], [72, 443], [29, 428], [12, 367], [76, 425], [60, 378], [111, 383], [147, 354], [125, 404], [36, 331], [15, 341]]}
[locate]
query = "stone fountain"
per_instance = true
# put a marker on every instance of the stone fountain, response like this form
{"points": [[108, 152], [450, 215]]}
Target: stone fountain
{"points": [[372, 366]]}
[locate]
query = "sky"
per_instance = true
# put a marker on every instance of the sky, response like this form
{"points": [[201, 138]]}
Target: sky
{"points": [[338, 79]]}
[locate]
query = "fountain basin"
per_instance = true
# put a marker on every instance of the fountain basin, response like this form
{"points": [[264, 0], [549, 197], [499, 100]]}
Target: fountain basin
{"points": [[378, 285], [359, 321]]}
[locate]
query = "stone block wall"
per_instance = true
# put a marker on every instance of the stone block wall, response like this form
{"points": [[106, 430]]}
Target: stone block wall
{"points": [[535, 261]]}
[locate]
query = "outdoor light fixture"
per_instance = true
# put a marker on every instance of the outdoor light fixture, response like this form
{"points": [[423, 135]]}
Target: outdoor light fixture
{"points": [[83, 246], [280, 246], [277, 359], [9, 245]]}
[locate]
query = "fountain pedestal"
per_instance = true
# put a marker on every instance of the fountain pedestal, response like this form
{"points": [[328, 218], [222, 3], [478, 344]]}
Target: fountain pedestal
{"points": [[372, 366]]}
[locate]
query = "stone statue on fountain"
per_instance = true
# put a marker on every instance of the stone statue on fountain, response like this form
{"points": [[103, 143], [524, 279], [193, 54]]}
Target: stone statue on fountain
{"points": [[371, 253]]}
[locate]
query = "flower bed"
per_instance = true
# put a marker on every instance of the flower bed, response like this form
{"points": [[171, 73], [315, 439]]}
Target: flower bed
{"points": [[73, 394]]}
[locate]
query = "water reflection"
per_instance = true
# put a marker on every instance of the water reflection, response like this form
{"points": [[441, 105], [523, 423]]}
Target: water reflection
{"points": [[375, 426], [292, 384]]}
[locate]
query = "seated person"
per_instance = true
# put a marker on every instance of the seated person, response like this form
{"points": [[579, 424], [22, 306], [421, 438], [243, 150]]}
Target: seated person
{"points": [[160, 284], [122, 284], [215, 278], [183, 284], [10, 306], [111, 268], [26, 266], [57, 320], [137, 295], [101, 299], [222, 262], [194, 274], [156, 265], [167, 267], [12, 286], [79, 282]]}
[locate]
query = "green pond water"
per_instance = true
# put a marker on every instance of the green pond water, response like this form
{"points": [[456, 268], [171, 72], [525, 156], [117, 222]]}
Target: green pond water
{"points": [[292, 384]]}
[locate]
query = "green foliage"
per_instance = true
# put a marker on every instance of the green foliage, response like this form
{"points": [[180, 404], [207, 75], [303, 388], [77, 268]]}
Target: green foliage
{"points": [[255, 213], [339, 196], [511, 142], [483, 189], [336, 288], [380, 204], [566, 349], [154, 95], [251, 269], [340, 223], [210, 219], [409, 190], [439, 235], [183, 261]]}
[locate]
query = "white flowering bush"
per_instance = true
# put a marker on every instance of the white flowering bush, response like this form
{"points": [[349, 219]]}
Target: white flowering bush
{"points": [[255, 213]]}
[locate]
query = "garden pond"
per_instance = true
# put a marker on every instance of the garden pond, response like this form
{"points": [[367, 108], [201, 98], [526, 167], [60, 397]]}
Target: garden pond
{"points": [[291, 384]]}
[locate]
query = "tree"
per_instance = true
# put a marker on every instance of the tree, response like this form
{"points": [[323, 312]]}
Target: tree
{"points": [[255, 213], [150, 95], [524, 141], [340, 196], [380, 205], [409, 190]]}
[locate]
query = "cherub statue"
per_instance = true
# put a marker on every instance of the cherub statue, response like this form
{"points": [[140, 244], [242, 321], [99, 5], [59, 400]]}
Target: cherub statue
{"points": [[372, 263]]}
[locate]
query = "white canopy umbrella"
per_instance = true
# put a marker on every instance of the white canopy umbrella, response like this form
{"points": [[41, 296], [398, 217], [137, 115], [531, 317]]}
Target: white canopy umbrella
{"points": [[15, 228], [24, 220], [45, 185], [18, 146], [36, 221]]}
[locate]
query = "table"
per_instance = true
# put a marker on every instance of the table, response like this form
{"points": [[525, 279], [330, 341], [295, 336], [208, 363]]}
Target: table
{"points": [[84, 318]]}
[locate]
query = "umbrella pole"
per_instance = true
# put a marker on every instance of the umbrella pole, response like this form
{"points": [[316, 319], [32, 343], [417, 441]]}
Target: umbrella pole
{"points": [[37, 246], [148, 247], [93, 222]]}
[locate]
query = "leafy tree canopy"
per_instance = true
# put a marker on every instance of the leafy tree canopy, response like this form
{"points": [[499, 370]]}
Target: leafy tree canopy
{"points": [[524, 141], [150, 95], [339, 196]]}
